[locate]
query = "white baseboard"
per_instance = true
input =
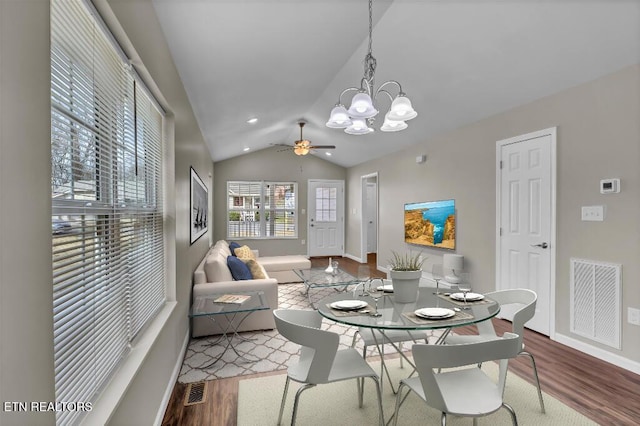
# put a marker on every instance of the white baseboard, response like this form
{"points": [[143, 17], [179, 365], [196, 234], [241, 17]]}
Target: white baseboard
{"points": [[596, 352], [352, 257], [172, 381]]}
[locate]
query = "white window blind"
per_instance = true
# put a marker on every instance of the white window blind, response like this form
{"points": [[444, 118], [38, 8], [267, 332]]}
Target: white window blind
{"points": [[107, 219], [259, 209]]}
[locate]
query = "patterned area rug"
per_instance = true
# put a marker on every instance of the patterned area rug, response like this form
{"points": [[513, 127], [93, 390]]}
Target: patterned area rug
{"points": [[272, 350]]}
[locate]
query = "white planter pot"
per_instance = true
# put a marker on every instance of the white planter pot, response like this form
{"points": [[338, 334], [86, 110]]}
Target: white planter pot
{"points": [[405, 285]]}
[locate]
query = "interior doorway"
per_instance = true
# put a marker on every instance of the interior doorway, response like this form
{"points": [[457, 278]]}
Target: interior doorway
{"points": [[369, 217]]}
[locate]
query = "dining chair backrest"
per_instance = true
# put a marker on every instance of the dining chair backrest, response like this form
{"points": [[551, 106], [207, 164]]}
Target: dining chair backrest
{"points": [[431, 358], [318, 347], [523, 298]]}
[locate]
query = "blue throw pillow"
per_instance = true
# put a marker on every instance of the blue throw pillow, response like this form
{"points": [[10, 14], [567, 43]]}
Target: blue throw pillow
{"points": [[232, 246], [239, 271]]}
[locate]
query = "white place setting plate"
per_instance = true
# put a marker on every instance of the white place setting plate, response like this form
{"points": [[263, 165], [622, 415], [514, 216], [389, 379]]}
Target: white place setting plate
{"points": [[471, 297], [434, 313], [387, 288], [348, 305]]}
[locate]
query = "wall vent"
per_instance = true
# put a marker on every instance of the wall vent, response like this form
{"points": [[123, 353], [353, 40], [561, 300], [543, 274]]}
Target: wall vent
{"points": [[595, 301]]}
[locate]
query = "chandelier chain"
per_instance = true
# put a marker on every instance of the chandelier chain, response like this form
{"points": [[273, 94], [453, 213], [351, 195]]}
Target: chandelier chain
{"points": [[369, 60]]}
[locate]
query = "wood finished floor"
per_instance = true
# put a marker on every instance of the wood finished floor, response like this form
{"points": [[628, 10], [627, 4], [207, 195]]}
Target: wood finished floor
{"points": [[607, 394]]}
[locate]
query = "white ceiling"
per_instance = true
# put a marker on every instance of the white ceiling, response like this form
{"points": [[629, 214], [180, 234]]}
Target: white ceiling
{"points": [[458, 61]]}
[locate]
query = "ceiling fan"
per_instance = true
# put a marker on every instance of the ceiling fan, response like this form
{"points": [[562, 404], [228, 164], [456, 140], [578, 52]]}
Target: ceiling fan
{"points": [[303, 146]]}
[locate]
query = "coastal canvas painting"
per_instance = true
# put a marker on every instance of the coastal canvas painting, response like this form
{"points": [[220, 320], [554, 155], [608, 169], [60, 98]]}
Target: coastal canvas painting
{"points": [[431, 223]]}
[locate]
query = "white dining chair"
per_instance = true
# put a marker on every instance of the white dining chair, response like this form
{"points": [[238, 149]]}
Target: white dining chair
{"points": [[516, 305], [390, 336], [466, 392], [320, 361]]}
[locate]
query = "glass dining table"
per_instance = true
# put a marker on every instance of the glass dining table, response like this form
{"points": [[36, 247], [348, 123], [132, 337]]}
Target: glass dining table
{"points": [[403, 316]]}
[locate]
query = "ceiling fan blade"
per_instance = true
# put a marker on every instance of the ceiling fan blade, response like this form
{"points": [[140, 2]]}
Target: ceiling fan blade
{"points": [[322, 147]]}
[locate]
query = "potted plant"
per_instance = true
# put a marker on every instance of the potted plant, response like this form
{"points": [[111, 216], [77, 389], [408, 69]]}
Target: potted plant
{"points": [[405, 272]]}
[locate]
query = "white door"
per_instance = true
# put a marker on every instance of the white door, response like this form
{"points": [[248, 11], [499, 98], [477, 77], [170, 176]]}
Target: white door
{"points": [[526, 206], [326, 217]]}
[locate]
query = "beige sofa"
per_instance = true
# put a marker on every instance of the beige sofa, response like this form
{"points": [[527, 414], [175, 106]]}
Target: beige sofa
{"points": [[212, 276]]}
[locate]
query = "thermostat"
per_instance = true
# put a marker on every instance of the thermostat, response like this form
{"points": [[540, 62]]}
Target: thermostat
{"points": [[609, 186]]}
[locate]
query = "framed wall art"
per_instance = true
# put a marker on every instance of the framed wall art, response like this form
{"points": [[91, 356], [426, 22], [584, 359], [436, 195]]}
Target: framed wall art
{"points": [[199, 212]]}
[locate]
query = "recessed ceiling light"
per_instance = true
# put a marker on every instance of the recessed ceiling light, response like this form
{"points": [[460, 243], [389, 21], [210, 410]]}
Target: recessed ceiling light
{"points": [[246, 149], [327, 153], [253, 120]]}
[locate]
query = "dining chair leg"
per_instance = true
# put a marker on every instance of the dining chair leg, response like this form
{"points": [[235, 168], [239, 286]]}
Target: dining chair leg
{"points": [[353, 341], [514, 419], [399, 401], [360, 382], [296, 400], [443, 419], [535, 375], [379, 391], [284, 398], [475, 421]]}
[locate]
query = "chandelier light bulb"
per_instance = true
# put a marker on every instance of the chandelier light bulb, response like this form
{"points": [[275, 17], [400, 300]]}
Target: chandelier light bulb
{"points": [[362, 106], [359, 127], [392, 126], [339, 118], [401, 109]]}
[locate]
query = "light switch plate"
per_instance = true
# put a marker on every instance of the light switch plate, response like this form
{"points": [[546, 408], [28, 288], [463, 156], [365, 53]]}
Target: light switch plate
{"points": [[593, 213]]}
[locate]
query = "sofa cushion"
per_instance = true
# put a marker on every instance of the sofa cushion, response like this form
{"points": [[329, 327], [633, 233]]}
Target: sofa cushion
{"points": [[221, 247], [244, 252], [257, 271], [284, 263], [239, 271], [233, 246], [216, 269]]}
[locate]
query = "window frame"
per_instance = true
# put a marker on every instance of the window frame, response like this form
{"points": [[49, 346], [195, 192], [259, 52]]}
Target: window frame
{"points": [[255, 213], [110, 250]]}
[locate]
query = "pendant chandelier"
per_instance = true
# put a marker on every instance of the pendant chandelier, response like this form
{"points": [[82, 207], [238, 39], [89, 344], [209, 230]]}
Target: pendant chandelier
{"points": [[359, 118]]}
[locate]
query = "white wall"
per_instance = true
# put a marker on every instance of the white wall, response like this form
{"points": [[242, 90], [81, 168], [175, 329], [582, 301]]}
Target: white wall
{"points": [[598, 134]]}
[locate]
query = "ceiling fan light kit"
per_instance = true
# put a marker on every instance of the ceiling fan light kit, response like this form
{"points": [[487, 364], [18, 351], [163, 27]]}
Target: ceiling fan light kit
{"points": [[303, 146], [358, 119]]}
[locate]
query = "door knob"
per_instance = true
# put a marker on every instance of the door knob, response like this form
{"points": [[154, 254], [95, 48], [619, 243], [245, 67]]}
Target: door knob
{"points": [[541, 245]]}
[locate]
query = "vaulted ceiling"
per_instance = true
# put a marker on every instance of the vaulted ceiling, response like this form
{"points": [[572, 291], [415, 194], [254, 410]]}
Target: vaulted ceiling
{"points": [[459, 61]]}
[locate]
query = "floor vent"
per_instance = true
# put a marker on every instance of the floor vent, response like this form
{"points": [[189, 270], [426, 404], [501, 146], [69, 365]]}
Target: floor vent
{"points": [[196, 393], [595, 301]]}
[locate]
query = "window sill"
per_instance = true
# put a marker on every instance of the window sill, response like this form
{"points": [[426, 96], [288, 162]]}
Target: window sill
{"points": [[110, 397]]}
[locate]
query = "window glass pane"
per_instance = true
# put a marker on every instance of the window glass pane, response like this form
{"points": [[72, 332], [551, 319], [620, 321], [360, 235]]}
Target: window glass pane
{"points": [[326, 204]]}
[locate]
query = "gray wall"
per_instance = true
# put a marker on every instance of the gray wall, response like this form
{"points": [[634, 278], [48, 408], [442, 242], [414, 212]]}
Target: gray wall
{"points": [[26, 295], [598, 134], [271, 164], [26, 323]]}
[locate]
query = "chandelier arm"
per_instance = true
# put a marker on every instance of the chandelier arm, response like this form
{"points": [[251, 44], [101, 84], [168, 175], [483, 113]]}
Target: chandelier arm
{"points": [[385, 92], [389, 82], [348, 89]]}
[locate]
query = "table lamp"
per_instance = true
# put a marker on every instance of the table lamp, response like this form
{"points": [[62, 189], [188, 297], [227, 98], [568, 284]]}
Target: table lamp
{"points": [[452, 265]]}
